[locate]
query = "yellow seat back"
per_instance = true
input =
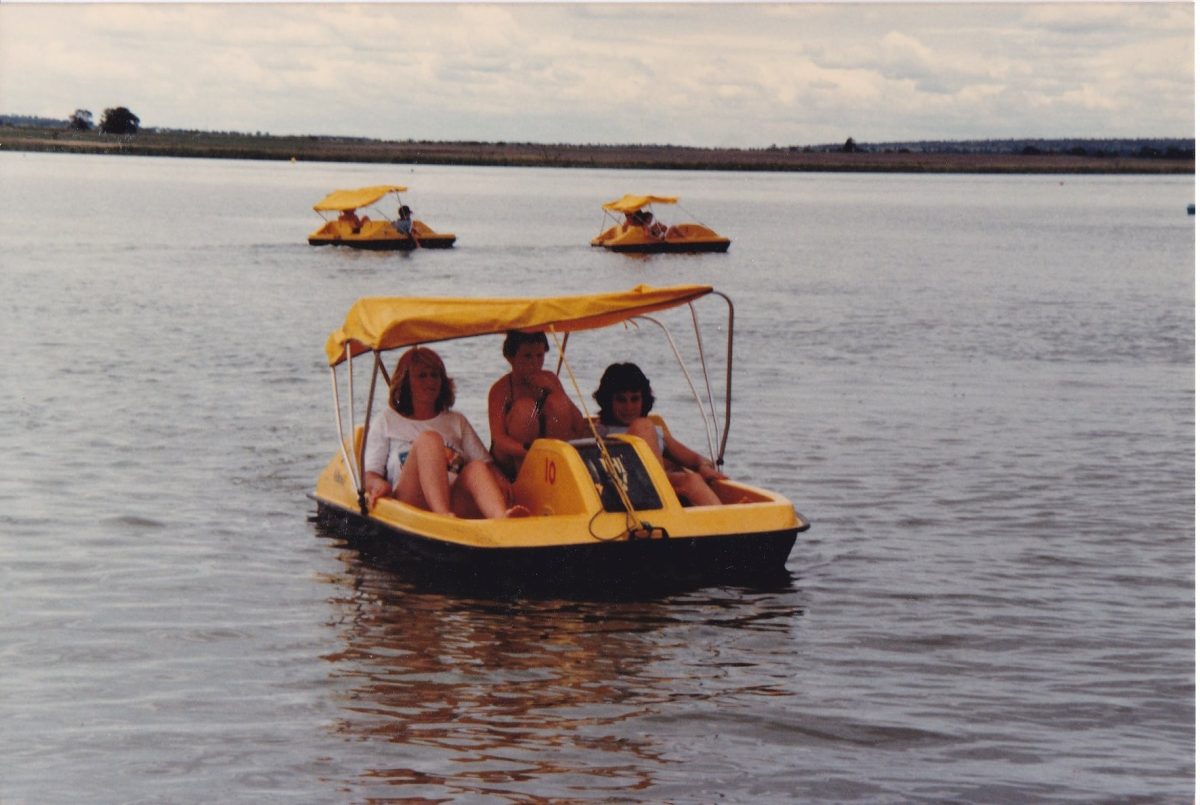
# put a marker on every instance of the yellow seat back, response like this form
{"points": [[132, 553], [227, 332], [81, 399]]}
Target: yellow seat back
{"points": [[553, 480]]}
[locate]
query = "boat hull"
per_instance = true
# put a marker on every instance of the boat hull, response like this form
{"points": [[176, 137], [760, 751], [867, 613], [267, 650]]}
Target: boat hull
{"points": [[636, 562], [681, 238], [656, 247], [579, 531], [379, 236], [384, 244]]}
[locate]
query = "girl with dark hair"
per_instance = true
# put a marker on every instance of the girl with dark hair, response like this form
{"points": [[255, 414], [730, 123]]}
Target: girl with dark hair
{"points": [[404, 222], [625, 399], [424, 454], [528, 403]]}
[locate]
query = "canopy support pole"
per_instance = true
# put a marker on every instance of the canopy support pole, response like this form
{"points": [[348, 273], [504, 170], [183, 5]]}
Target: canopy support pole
{"points": [[337, 412], [359, 481], [562, 352], [728, 376], [362, 448], [704, 416], [712, 408]]}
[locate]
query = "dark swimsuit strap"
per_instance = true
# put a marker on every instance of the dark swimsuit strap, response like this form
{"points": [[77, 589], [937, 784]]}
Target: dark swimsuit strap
{"points": [[508, 466], [508, 401], [538, 402]]}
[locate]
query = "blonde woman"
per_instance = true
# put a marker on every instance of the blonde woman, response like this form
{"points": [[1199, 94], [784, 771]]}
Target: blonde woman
{"points": [[425, 454]]}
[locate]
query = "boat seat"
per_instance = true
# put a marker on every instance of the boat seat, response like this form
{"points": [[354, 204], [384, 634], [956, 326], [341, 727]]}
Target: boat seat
{"points": [[692, 231], [657, 419], [551, 478], [371, 228]]}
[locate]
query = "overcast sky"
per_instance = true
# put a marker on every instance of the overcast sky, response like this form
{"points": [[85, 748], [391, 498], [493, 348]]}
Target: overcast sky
{"points": [[743, 75]]}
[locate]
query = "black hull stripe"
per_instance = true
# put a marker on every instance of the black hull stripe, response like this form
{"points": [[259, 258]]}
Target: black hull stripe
{"points": [[405, 245], [710, 556], [654, 248]]}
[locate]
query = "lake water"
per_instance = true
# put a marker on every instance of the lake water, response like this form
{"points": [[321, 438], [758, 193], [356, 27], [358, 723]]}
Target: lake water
{"points": [[980, 389]]}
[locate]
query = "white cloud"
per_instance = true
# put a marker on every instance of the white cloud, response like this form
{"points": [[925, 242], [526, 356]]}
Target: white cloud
{"points": [[745, 74]]}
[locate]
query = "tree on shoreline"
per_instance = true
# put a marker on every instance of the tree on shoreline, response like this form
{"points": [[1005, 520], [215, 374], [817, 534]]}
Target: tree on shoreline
{"points": [[119, 121], [81, 120]]}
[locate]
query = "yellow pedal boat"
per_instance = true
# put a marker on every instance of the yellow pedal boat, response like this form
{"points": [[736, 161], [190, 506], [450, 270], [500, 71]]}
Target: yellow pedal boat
{"points": [[603, 509], [630, 226], [363, 232]]}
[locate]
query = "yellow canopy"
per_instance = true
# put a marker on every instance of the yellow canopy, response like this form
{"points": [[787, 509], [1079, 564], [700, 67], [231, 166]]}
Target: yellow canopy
{"points": [[383, 323], [628, 203], [340, 200]]}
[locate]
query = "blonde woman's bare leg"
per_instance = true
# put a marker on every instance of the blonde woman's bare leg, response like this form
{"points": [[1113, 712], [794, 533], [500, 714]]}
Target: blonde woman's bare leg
{"points": [[477, 492], [424, 480], [505, 486]]}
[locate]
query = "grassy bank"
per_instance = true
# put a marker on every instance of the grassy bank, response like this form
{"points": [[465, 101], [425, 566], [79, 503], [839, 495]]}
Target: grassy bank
{"points": [[328, 149]]}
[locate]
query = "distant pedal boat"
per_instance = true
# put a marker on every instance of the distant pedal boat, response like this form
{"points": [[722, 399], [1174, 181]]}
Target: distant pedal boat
{"points": [[349, 229], [623, 236], [603, 508]]}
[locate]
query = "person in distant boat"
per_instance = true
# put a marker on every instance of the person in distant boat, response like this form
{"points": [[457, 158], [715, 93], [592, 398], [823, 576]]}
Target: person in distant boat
{"points": [[625, 400], [404, 223], [528, 403], [654, 228], [350, 217], [422, 453]]}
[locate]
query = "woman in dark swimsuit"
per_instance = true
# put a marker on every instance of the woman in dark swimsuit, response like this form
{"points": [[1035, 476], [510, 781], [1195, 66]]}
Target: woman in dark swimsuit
{"points": [[528, 403]]}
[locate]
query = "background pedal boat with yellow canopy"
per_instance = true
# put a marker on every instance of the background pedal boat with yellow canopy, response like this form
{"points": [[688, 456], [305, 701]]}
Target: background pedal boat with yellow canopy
{"points": [[682, 237], [581, 526], [376, 234]]}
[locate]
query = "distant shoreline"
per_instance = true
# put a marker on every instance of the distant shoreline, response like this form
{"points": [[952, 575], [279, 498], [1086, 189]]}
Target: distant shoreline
{"points": [[214, 145]]}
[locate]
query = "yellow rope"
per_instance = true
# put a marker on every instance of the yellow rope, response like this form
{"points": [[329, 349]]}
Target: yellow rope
{"points": [[610, 465]]}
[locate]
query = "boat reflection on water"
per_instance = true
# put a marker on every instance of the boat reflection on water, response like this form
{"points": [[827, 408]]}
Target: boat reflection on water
{"points": [[483, 696]]}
